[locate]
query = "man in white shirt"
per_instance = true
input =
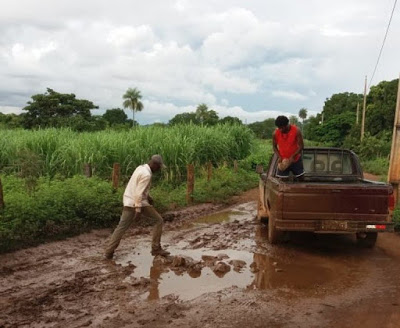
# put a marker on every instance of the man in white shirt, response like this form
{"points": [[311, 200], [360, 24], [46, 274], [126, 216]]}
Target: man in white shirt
{"points": [[138, 202]]}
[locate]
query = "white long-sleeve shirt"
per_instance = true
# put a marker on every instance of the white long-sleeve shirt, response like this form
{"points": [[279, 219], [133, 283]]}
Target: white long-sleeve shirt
{"points": [[137, 191]]}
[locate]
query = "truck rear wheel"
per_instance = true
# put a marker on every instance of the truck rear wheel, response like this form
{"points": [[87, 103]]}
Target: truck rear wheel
{"points": [[260, 213], [274, 236], [366, 239]]}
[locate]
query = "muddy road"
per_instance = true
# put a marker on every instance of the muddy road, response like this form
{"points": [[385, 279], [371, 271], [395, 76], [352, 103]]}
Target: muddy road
{"points": [[222, 273]]}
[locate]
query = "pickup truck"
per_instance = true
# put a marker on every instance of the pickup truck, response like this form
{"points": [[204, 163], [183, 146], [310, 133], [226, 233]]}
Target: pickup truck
{"points": [[333, 197]]}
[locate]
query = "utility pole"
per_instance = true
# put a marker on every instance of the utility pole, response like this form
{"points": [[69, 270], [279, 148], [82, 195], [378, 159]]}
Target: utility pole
{"points": [[358, 111], [322, 118], [394, 165], [364, 105]]}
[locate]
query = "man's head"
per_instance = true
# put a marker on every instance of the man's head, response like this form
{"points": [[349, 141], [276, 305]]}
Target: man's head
{"points": [[156, 163], [282, 123]]}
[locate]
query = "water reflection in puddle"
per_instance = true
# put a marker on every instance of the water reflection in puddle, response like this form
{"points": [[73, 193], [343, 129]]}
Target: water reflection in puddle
{"points": [[187, 284], [237, 213], [228, 216], [261, 271]]}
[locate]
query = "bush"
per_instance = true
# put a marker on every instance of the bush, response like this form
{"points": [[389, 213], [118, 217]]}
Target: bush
{"points": [[62, 207], [378, 166], [55, 209], [261, 153]]}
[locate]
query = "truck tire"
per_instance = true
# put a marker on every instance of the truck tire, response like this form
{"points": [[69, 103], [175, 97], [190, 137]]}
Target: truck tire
{"points": [[366, 239], [260, 214], [274, 236]]}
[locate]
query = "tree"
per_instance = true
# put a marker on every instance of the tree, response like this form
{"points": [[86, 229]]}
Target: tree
{"points": [[115, 116], [132, 101], [310, 129], [202, 116], [11, 121], [293, 120], [206, 116], [230, 120], [53, 109], [263, 129], [303, 114], [335, 130], [381, 107], [184, 118], [341, 102]]}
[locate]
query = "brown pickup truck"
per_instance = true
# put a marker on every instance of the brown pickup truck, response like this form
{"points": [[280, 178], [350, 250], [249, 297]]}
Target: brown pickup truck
{"points": [[334, 197]]}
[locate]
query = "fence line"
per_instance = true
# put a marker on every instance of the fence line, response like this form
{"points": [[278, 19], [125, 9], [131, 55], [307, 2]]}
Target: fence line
{"points": [[190, 184], [115, 175]]}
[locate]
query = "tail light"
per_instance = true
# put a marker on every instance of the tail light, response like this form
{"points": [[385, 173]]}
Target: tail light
{"points": [[391, 202]]}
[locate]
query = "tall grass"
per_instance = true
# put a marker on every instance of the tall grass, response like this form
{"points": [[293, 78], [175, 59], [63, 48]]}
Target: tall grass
{"points": [[64, 152]]}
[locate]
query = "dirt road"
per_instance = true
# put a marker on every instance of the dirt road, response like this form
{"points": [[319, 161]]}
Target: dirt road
{"points": [[222, 273]]}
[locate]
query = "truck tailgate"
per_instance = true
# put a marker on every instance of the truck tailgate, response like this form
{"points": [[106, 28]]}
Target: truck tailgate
{"points": [[327, 201]]}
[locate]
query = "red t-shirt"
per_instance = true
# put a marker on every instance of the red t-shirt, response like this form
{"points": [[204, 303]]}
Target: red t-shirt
{"points": [[287, 142]]}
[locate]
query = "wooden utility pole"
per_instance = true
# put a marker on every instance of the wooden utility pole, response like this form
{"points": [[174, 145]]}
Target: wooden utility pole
{"points": [[358, 112], [364, 105], [394, 164], [322, 119]]}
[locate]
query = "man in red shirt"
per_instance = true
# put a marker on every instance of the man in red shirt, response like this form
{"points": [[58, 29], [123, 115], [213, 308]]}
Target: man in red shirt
{"points": [[288, 144]]}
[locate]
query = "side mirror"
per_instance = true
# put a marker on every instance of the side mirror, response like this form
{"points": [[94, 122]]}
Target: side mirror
{"points": [[259, 168]]}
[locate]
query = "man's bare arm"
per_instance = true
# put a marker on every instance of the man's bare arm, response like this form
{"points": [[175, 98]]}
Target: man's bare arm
{"points": [[300, 145]]}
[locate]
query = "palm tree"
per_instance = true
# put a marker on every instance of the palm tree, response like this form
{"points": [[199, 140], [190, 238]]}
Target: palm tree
{"points": [[132, 101], [303, 114]]}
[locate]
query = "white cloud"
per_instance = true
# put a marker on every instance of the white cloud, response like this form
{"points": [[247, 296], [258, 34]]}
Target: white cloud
{"points": [[336, 32], [243, 56], [10, 110], [141, 37], [289, 95]]}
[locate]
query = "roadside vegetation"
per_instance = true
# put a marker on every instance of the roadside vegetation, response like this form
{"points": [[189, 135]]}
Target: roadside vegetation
{"points": [[44, 150], [47, 196], [64, 152]]}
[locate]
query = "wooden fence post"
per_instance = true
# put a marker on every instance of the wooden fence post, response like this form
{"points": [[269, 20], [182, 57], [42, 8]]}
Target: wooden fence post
{"points": [[209, 171], [88, 170], [115, 175], [190, 183], [1, 196], [235, 166]]}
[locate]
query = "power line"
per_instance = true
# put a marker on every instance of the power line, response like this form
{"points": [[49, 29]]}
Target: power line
{"points": [[383, 44]]}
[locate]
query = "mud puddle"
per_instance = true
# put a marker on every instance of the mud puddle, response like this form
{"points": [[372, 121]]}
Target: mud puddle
{"points": [[192, 271], [188, 274], [237, 213]]}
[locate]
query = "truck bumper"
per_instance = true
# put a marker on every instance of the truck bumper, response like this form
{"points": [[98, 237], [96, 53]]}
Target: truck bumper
{"points": [[334, 226]]}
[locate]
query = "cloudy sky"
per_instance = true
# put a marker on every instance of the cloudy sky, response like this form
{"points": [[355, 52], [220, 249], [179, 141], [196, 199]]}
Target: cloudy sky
{"points": [[250, 59]]}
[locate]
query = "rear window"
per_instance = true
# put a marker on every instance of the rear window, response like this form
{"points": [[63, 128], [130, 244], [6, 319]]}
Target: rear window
{"points": [[329, 163]]}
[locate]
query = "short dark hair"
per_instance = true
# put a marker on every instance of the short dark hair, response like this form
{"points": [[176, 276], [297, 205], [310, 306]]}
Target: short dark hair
{"points": [[281, 121]]}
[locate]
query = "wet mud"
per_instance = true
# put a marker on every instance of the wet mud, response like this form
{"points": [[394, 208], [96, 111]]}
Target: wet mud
{"points": [[222, 272]]}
